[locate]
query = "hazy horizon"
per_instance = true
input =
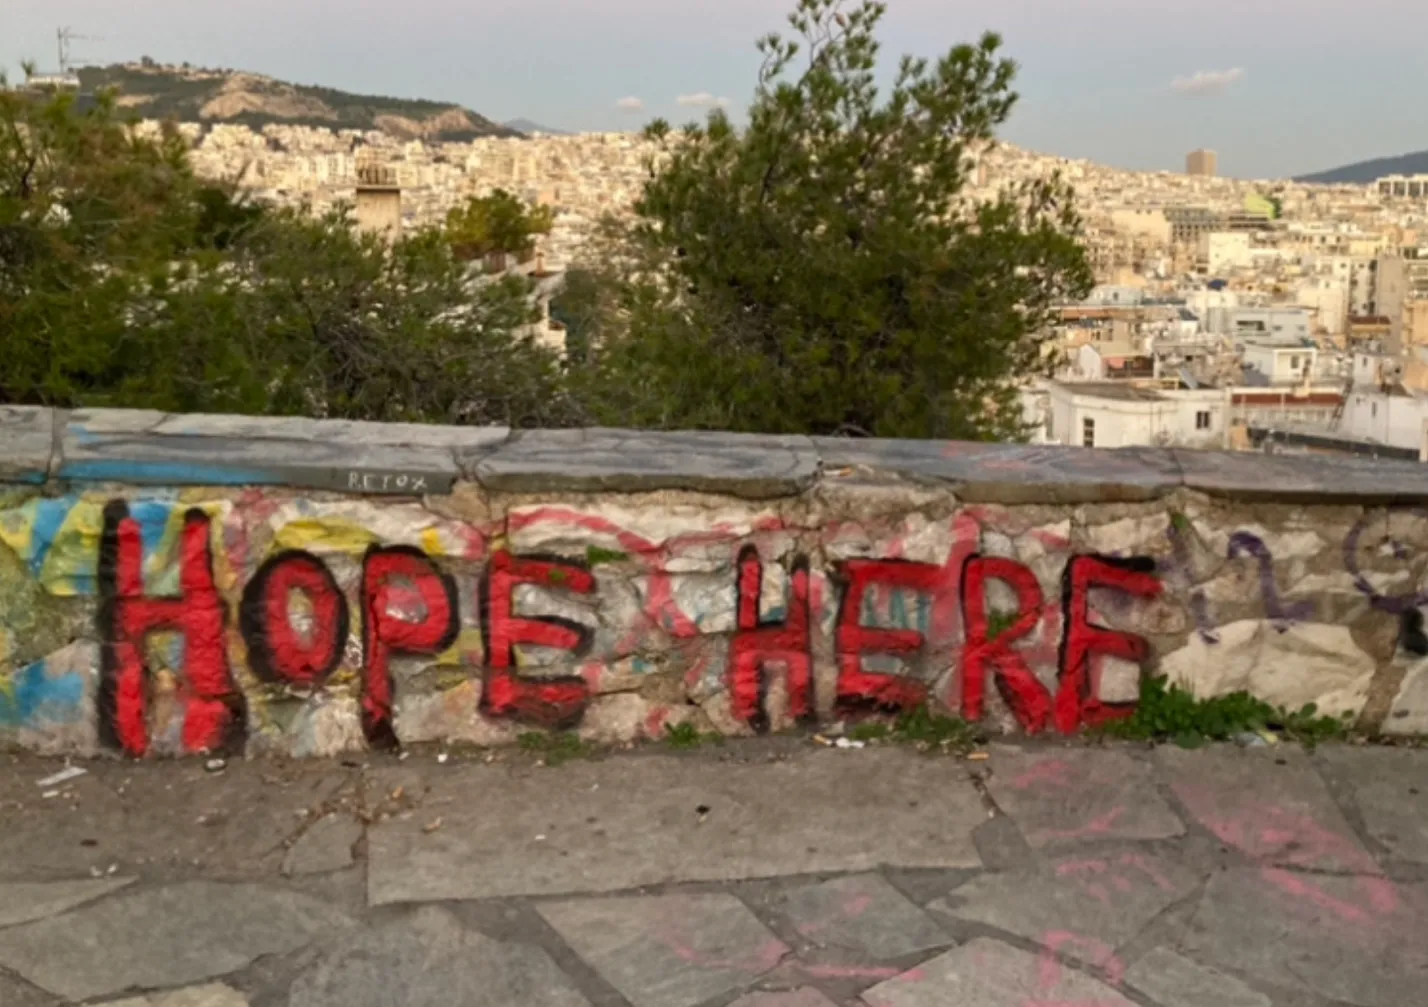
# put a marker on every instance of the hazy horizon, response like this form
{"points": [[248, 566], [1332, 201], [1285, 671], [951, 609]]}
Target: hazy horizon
{"points": [[1275, 93]]}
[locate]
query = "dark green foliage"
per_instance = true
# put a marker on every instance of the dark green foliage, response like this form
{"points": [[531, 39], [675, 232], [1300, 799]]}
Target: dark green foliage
{"points": [[686, 736], [1170, 713], [820, 270], [554, 749], [595, 555]]}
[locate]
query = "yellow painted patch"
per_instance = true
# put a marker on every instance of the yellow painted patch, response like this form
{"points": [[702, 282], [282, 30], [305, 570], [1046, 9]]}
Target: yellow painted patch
{"points": [[324, 535], [431, 542]]}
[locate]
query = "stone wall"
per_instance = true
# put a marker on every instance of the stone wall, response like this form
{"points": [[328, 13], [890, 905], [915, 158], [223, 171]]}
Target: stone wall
{"points": [[186, 584]]}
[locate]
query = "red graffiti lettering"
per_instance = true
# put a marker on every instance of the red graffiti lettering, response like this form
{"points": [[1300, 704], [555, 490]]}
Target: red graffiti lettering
{"points": [[277, 650], [1076, 702], [757, 644], [857, 687], [552, 702], [214, 712], [1029, 700], [392, 576]]}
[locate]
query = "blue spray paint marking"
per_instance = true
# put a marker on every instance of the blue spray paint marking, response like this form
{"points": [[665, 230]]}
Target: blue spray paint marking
{"points": [[50, 517], [1242, 543], [130, 471], [35, 696]]}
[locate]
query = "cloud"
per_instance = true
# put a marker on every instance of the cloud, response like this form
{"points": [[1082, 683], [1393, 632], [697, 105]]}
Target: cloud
{"points": [[630, 104], [702, 100], [1203, 82]]}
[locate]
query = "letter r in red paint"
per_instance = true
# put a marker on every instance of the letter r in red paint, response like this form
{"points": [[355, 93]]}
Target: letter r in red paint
{"points": [[214, 712], [391, 576], [757, 644], [1076, 702], [857, 687], [551, 702], [1029, 700]]}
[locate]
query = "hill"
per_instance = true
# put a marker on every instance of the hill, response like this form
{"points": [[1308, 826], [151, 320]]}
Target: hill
{"points": [[191, 94], [1363, 172], [528, 127]]}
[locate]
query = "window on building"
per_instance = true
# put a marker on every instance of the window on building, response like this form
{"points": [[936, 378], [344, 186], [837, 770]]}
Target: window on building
{"points": [[1294, 363], [1373, 412], [1202, 420], [1088, 432]]}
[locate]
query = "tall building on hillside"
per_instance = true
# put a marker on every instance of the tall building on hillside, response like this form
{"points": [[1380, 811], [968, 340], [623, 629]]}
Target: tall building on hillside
{"points": [[1201, 162], [379, 201]]}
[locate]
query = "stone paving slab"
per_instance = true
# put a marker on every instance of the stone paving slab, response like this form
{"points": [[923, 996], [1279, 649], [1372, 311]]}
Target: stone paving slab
{"points": [[1270, 804], [325, 846], [1061, 797], [427, 959], [14, 993], [26, 443], [147, 448], [1101, 900], [805, 996], [23, 901], [670, 950], [665, 818], [753, 466], [988, 973], [863, 914], [212, 995], [166, 936], [1352, 939], [1008, 473], [1389, 786], [1172, 980]]}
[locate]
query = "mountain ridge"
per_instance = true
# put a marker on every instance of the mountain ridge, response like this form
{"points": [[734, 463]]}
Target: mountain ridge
{"points": [[196, 94], [1363, 172]]}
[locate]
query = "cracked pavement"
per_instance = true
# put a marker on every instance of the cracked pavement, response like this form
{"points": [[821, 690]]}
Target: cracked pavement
{"points": [[755, 874]]}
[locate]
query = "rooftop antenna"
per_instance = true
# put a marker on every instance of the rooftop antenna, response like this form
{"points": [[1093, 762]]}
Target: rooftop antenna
{"points": [[63, 37]]}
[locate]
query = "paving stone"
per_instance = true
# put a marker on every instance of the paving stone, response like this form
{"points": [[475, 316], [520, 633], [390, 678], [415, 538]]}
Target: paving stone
{"points": [[14, 993], [1280, 814], [667, 950], [611, 825], [1070, 795], [1390, 789], [1103, 900], [326, 846], [1351, 939], [23, 901], [166, 936], [753, 466], [145, 447], [211, 995], [988, 973], [1008, 473], [1174, 981], [863, 914], [806, 996], [26, 443], [428, 959]]}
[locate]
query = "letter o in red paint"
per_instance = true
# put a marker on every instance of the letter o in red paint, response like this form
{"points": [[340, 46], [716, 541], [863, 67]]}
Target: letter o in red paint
{"points": [[277, 650]]}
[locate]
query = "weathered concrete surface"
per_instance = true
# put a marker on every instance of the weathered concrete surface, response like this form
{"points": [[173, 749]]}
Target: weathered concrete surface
{"points": [[1066, 796], [863, 914], [210, 995], [26, 444], [584, 461], [668, 951], [1301, 478], [428, 959], [1388, 788], [989, 973], [325, 846], [166, 936], [1172, 980], [23, 901], [666, 818]]}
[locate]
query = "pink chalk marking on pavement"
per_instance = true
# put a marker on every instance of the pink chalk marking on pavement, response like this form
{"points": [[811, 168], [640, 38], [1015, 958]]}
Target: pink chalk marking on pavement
{"points": [[1099, 826], [1298, 887], [1053, 771], [1102, 955], [856, 906]]}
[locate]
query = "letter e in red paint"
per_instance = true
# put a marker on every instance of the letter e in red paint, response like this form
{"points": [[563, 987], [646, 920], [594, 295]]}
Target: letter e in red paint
{"points": [[757, 644], [214, 711], [1029, 700], [392, 577], [859, 688], [550, 702], [1075, 700]]}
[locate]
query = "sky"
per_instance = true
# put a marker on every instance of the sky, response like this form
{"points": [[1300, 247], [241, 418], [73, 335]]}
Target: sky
{"points": [[1276, 87]]}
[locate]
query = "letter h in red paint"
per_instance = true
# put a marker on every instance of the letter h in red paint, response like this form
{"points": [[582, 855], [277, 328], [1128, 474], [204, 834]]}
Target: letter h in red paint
{"points": [[1076, 701], [550, 702], [757, 644], [214, 712]]}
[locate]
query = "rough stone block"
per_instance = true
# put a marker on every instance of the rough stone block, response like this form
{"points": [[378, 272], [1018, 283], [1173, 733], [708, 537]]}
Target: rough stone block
{"points": [[148, 448], [26, 443], [1303, 478], [628, 461], [1009, 473]]}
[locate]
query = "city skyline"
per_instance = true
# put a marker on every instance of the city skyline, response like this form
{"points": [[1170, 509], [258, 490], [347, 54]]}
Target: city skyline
{"points": [[1100, 79]]}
